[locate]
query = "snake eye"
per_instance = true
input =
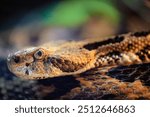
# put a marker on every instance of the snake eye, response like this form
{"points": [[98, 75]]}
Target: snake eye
{"points": [[39, 54]]}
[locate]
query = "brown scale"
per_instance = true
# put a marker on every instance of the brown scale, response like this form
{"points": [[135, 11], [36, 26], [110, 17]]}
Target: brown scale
{"points": [[65, 65], [144, 54], [129, 44]]}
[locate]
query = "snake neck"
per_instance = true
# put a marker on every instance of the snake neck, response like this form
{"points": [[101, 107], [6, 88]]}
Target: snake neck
{"points": [[124, 50]]}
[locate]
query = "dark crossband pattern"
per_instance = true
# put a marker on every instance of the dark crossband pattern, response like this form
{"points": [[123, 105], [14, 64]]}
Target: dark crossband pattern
{"points": [[95, 45], [132, 73], [140, 34]]}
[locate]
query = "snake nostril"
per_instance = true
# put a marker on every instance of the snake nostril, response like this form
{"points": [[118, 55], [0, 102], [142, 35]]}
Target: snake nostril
{"points": [[16, 59], [27, 64]]}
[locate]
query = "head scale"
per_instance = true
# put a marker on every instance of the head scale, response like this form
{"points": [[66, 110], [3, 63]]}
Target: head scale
{"points": [[28, 63]]}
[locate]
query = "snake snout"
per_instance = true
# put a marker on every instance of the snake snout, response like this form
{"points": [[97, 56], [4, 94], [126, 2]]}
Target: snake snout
{"points": [[13, 58]]}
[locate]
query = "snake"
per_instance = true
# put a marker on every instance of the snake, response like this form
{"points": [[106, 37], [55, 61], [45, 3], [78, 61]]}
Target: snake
{"points": [[95, 63], [78, 57]]}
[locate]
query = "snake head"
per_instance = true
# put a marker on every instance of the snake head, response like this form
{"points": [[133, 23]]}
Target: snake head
{"points": [[40, 62], [28, 63]]}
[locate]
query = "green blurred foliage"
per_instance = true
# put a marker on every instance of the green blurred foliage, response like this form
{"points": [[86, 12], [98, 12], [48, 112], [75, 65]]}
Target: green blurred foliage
{"points": [[76, 12]]}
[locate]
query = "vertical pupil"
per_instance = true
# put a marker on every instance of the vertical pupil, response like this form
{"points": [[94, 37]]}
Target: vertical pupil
{"points": [[16, 59], [39, 53]]}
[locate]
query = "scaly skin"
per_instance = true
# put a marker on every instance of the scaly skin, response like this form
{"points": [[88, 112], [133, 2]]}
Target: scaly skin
{"points": [[78, 57]]}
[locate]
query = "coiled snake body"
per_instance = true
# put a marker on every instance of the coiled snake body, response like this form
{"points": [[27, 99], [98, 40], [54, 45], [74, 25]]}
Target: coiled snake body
{"points": [[106, 66]]}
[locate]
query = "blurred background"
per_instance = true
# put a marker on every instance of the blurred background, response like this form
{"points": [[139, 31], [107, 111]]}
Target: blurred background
{"points": [[32, 23]]}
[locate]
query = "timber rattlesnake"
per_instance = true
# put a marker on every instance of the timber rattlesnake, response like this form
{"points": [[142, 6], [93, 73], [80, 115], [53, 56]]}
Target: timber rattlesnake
{"points": [[117, 66]]}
